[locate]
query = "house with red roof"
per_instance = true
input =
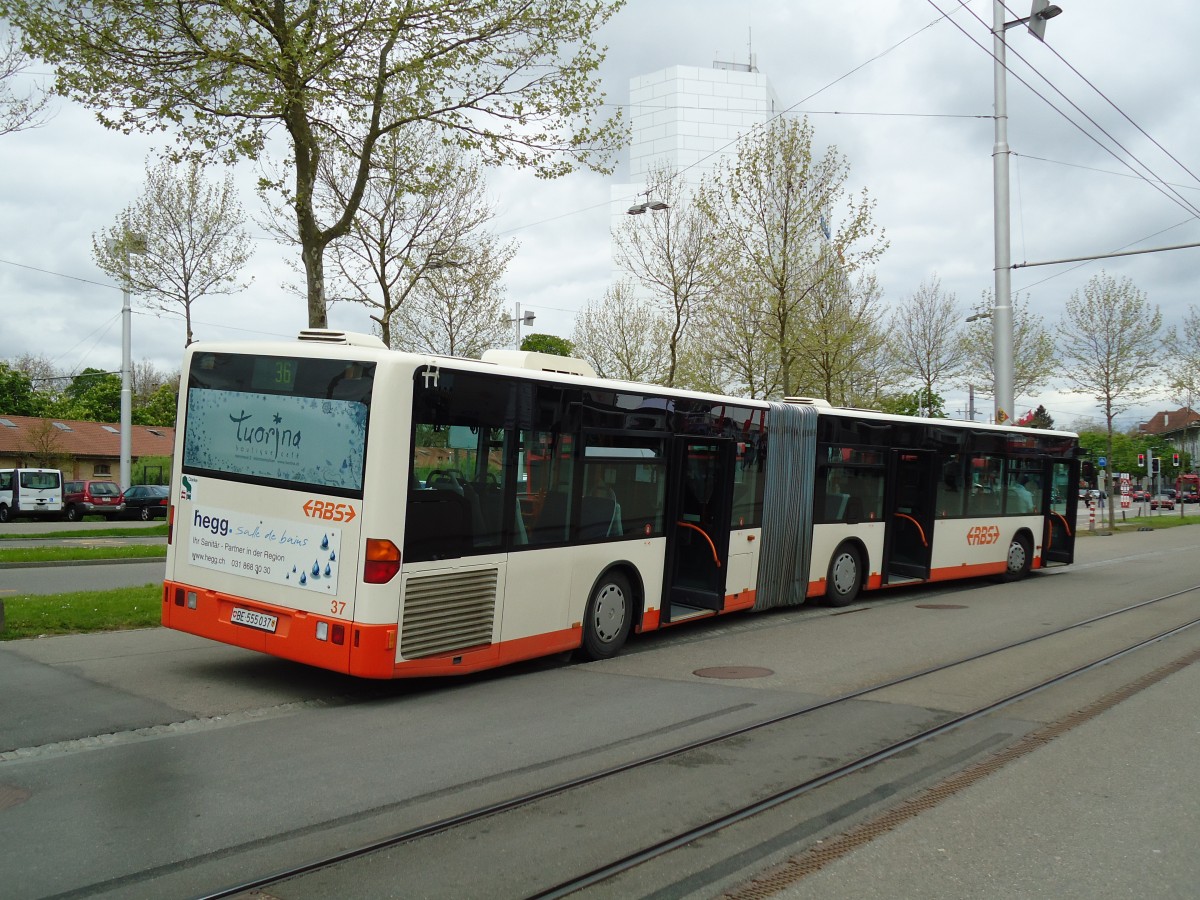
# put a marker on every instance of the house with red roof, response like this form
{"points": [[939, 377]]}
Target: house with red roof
{"points": [[83, 450]]}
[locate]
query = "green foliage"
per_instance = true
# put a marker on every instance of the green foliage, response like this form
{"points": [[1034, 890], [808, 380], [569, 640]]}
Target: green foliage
{"points": [[159, 409], [918, 403], [17, 396], [548, 343], [151, 470], [93, 395]]}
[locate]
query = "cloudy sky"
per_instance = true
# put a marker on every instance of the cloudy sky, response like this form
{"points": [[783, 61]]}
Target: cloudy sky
{"points": [[903, 91]]}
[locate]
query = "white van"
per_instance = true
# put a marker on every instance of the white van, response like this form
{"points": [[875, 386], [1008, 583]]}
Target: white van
{"points": [[30, 492]]}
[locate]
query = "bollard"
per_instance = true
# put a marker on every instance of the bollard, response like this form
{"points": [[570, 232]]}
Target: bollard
{"points": [[1091, 515]]}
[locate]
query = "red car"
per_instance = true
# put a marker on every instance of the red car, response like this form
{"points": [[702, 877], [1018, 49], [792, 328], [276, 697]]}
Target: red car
{"points": [[1162, 503]]}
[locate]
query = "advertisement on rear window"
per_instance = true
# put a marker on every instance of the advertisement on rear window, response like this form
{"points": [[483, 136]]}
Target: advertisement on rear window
{"points": [[292, 554], [307, 440]]}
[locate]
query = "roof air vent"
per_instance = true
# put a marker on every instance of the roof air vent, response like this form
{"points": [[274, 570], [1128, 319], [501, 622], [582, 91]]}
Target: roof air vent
{"points": [[346, 338]]}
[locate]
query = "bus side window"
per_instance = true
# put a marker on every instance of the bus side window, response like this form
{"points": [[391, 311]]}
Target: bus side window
{"points": [[438, 526]]}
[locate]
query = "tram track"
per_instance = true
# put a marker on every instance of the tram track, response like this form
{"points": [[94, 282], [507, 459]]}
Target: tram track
{"points": [[487, 816]]}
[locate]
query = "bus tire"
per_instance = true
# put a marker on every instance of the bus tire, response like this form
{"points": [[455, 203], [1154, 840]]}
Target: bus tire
{"points": [[844, 579], [608, 617], [1020, 558]]}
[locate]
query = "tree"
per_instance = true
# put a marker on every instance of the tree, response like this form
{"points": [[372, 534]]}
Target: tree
{"points": [[93, 395], [1108, 339], [918, 403], [775, 231], [668, 254], [18, 111], [841, 349], [548, 343], [43, 446], [17, 396], [1036, 418], [621, 336], [1033, 360], [180, 241], [159, 408], [927, 343], [423, 210], [452, 316], [515, 82]]}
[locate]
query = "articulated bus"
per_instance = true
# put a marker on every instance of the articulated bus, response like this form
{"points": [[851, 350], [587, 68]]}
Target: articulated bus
{"points": [[386, 514]]}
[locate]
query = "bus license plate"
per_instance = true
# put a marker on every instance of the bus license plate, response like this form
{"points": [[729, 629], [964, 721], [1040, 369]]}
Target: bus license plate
{"points": [[252, 619]]}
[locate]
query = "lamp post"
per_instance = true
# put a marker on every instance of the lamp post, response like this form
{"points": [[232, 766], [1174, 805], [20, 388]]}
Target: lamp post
{"points": [[133, 242], [518, 320], [1002, 314]]}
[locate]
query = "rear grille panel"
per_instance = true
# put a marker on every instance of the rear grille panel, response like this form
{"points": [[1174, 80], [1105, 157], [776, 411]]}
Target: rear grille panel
{"points": [[448, 611]]}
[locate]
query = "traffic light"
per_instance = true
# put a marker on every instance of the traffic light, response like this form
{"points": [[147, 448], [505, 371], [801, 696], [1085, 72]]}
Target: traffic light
{"points": [[1155, 464], [1175, 460], [1141, 460]]}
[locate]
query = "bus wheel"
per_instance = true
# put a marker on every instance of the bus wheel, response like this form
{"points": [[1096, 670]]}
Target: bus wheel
{"points": [[845, 576], [607, 619], [1020, 558]]}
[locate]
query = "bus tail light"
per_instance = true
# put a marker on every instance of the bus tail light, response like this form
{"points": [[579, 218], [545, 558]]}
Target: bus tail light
{"points": [[382, 561]]}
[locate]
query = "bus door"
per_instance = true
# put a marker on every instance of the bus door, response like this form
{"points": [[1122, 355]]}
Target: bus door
{"points": [[909, 513], [700, 490], [1059, 505]]}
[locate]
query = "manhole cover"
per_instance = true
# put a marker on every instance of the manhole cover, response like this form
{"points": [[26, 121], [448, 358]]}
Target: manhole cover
{"points": [[10, 795], [940, 606], [734, 672]]}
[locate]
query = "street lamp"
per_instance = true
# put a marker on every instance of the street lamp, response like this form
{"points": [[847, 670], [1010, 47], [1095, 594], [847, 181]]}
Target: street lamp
{"points": [[649, 203], [132, 242], [520, 320], [1002, 318]]}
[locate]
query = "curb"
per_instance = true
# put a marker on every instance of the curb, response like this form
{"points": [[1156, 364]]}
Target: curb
{"points": [[82, 562]]}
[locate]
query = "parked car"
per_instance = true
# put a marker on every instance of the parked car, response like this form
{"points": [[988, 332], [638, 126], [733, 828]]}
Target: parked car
{"points": [[146, 501], [92, 498], [1162, 502], [1139, 496]]}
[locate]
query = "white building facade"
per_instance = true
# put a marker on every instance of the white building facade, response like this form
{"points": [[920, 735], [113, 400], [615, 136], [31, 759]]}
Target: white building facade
{"points": [[690, 118]]}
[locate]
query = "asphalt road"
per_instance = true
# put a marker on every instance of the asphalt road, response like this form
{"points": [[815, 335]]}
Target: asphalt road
{"points": [[153, 763]]}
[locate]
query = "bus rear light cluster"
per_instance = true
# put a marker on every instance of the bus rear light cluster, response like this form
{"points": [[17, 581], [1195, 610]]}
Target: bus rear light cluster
{"points": [[382, 561], [336, 634], [189, 596]]}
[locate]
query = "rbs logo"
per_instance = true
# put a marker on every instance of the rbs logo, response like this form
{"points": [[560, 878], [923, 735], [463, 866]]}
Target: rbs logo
{"points": [[983, 534], [212, 523]]}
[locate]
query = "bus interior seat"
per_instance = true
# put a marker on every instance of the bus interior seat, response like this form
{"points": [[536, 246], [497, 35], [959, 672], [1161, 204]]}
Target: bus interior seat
{"points": [[598, 518], [551, 525], [437, 526], [854, 509], [835, 507]]}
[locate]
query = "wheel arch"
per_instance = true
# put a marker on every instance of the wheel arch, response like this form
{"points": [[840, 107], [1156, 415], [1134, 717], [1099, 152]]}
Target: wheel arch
{"points": [[633, 575]]}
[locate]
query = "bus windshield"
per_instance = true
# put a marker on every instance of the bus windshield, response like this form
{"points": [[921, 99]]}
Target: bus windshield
{"points": [[293, 422]]}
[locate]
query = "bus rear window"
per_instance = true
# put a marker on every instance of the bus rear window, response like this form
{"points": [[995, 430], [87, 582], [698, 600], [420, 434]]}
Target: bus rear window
{"points": [[290, 421]]}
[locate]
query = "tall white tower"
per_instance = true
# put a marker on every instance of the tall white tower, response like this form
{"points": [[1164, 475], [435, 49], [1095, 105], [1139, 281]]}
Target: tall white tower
{"points": [[690, 118]]}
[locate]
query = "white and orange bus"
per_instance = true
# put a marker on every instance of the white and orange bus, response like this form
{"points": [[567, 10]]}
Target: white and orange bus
{"points": [[388, 515]]}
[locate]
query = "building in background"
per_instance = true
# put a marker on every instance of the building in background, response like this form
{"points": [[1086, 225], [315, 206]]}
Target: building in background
{"points": [[83, 450], [690, 118]]}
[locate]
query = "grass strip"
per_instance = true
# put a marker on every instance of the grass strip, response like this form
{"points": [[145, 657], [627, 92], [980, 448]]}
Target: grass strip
{"points": [[79, 533], [60, 554], [81, 612]]}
